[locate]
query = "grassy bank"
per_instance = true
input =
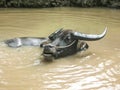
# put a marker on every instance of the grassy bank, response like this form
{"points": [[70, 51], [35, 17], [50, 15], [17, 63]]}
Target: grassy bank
{"points": [[59, 3]]}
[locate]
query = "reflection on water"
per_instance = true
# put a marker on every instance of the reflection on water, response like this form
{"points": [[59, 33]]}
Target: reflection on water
{"points": [[95, 69]]}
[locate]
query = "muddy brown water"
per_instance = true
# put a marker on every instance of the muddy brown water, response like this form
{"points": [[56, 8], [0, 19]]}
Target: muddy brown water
{"points": [[98, 68]]}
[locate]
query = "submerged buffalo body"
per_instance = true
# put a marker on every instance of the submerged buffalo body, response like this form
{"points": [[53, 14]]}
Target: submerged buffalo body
{"points": [[25, 41], [59, 44]]}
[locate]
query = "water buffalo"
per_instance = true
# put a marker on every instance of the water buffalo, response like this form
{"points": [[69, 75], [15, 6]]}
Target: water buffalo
{"points": [[61, 43]]}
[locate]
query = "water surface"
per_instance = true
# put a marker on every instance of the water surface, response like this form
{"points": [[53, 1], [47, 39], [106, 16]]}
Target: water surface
{"points": [[98, 68]]}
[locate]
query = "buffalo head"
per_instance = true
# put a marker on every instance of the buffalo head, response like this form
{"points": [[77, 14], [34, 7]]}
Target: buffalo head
{"points": [[65, 42]]}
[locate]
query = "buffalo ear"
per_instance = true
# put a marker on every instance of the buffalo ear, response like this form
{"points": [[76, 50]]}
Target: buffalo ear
{"points": [[54, 35]]}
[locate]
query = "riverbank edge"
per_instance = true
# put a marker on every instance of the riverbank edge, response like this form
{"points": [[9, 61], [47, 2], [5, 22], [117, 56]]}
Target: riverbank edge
{"points": [[59, 3]]}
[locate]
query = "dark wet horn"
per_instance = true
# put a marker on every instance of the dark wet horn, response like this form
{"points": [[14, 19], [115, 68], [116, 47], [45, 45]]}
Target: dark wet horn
{"points": [[55, 34], [89, 37]]}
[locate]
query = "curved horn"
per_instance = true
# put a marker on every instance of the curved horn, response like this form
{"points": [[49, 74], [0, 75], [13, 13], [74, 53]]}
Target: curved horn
{"points": [[89, 37]]}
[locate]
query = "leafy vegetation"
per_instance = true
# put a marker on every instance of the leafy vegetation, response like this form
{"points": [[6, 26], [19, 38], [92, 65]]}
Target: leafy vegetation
{"points": [[58, 3]]}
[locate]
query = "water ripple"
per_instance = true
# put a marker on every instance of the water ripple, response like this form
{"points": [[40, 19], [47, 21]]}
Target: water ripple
{"points": [[83, 77]]}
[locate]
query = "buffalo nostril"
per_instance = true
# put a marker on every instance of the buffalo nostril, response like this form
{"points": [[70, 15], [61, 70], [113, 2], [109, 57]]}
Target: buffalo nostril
{"points": [[47, 49]]}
